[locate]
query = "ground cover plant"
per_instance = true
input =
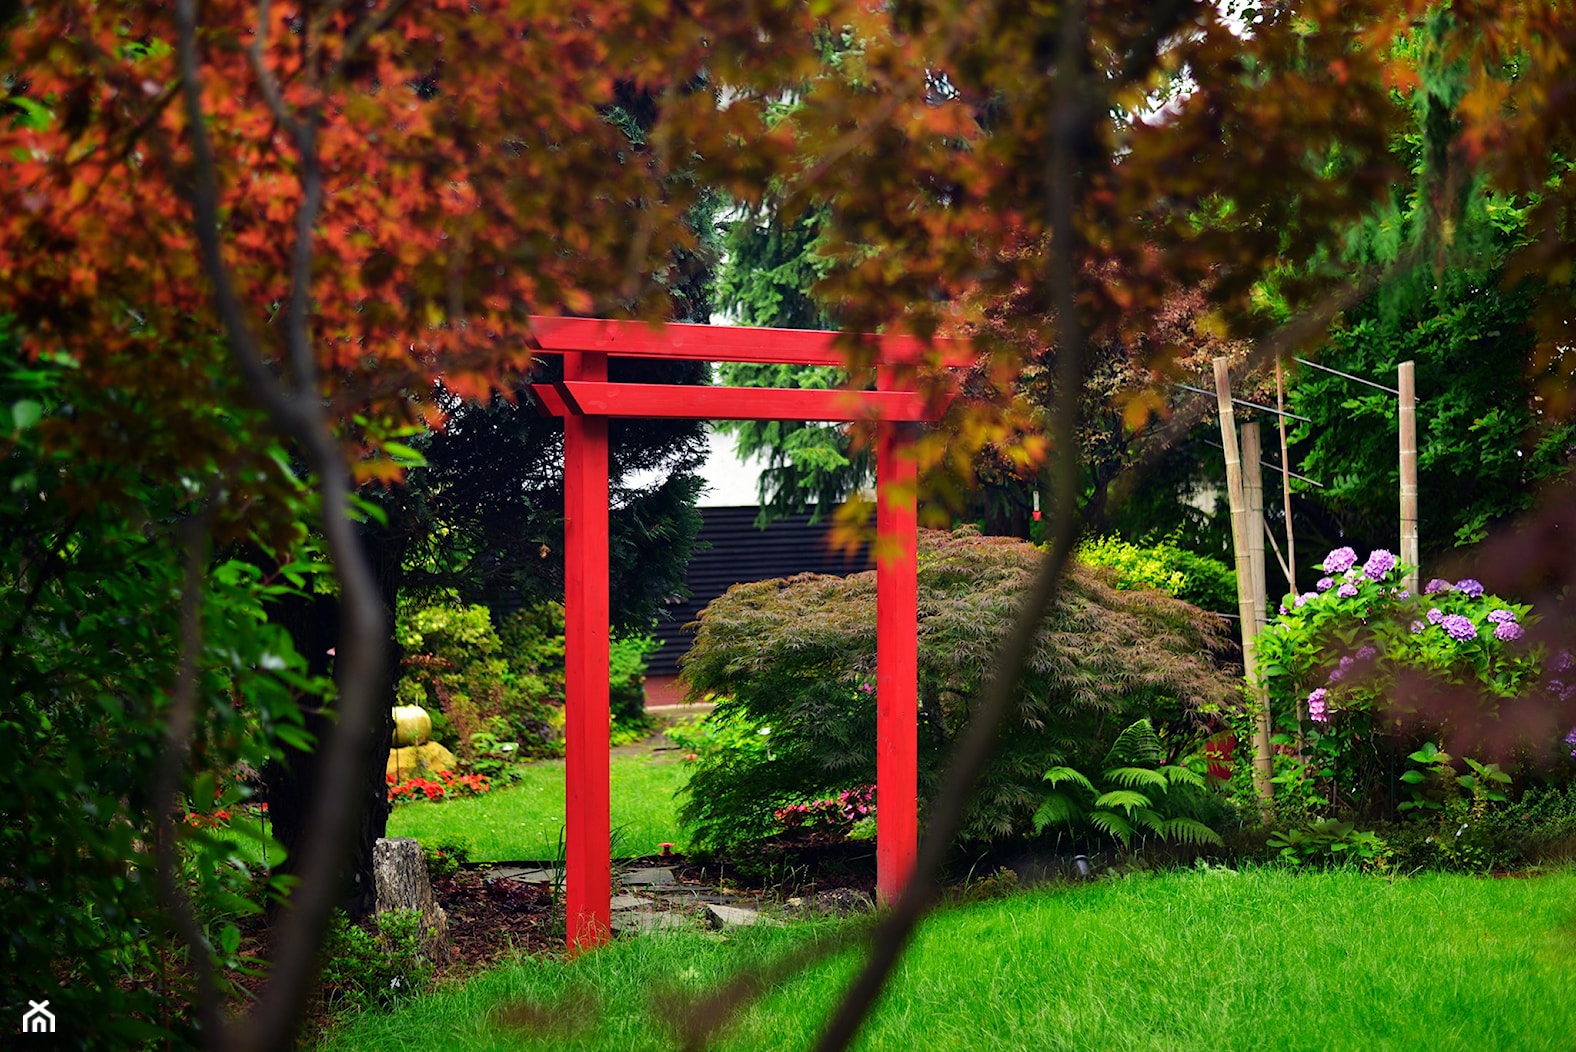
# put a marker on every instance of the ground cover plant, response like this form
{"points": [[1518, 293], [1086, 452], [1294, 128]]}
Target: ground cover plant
{"points": [[526, 820], [1191, 960], [792, 664]]}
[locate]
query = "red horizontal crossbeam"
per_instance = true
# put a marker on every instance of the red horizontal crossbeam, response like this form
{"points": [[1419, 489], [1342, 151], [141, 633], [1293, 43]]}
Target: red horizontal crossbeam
{"points": [[727, 343], [675, 402]]}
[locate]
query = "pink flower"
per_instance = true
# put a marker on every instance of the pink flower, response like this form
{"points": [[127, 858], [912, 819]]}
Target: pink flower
{"points": [[1316, 707]]}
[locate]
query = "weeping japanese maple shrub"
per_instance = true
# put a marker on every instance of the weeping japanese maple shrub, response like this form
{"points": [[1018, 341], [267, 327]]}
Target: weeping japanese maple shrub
{"points": [[794, 659]]}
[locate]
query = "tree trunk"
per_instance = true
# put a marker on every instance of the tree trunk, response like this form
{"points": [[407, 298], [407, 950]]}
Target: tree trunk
{"points": [[291, 781]]}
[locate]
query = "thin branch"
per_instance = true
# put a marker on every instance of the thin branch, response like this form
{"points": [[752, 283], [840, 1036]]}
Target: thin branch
{"points": [[298, 325], [1069, 118], [266, 81], [181, 724], [640, 244], [364, 31], [363, 630], [1279, 558]]}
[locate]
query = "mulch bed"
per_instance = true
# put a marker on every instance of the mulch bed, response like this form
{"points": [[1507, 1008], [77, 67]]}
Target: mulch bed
{"points": [[490, 920]]}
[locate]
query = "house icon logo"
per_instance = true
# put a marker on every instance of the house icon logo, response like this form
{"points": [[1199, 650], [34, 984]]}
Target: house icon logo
{"points": [[39, 1019]]}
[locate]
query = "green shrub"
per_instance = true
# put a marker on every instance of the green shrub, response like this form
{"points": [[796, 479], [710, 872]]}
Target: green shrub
{"points": [[445, 858], [1206, 583], [627, 683], [496, 694], [794, 660], [1329, 841], [365, 970], [1539, 827], [92, 548], [456, 665]]}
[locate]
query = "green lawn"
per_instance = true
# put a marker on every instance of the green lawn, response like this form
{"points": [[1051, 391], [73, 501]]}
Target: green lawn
{"points": [[1265, 959], [523, 821]]}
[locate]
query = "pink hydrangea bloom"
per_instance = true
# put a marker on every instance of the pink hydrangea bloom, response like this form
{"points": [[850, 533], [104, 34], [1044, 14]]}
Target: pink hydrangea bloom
{"points": [[1340, 560]]}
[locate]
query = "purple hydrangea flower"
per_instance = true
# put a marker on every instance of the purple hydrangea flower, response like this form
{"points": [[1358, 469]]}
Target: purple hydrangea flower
{"points": [[1508, 630], [1459, 627], [1561, 662], [1324, 584], [1379, 564], [1403, 594], [1365, 652], [1437, 585], [1283, 610], [1470, 587], [1302, 600], [1317, 711], [1502, 617], [1340, 560], [1338, 673], [1417, 626], [1346, 591], [1435, 616], [1570, 739]]}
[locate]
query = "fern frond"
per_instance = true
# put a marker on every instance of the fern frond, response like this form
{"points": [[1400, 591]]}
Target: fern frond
{"points": [[1188, 831], [1137, 746], [1126, 799], [1137, 777], [1058, 775], [1057, 808], [1113, 824], [1145, 818], [1179, 775]]}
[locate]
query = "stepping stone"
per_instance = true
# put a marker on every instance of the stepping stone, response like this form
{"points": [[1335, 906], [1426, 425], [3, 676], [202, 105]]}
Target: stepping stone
{"points": [[628, 902], [735, 916], [647, 876], [696, 895], [523, 874], [634, 922]]}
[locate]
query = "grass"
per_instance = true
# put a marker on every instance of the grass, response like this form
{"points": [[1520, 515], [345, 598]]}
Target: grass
{"points": [[523, 821], [1263, 959]]}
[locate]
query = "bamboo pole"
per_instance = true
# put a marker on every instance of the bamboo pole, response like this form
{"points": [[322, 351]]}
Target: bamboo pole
{"points": [[1291, 543], [1246, 608], [1408, 401], [1253, 497]]}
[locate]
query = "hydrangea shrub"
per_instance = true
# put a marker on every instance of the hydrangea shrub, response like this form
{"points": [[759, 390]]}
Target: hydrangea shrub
{"points": [[1349, 666]]}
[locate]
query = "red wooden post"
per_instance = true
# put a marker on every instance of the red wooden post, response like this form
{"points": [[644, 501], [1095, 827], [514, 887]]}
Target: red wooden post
{"points": [[897, 656], [588, 829]]}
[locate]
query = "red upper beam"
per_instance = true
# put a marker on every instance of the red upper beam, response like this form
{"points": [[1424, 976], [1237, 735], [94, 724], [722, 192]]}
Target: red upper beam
{"points": [[727, 343], [674, 402]]}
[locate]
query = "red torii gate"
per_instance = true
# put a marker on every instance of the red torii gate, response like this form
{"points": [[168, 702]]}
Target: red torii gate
{"points": [[585, 400]]}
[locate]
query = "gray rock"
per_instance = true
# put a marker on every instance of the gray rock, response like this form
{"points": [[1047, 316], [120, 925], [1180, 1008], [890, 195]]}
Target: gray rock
{"points": [[647, 876], [526, 875], [629, 902], [635, 922], [695, 896], [734, 916]]}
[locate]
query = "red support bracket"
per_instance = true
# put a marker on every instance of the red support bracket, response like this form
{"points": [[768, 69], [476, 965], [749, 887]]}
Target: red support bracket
{"points": [[672, 401]]}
